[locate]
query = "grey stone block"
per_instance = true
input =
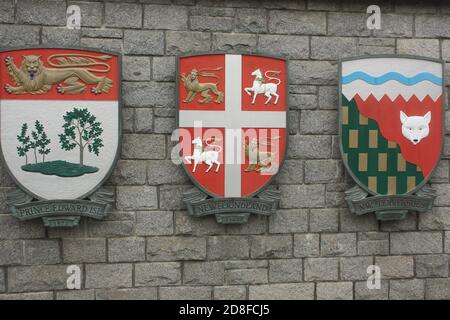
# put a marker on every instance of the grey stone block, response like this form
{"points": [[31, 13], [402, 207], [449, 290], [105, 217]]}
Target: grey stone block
{"points": [[338, 244], [334, 291], [437, 219], [163, 68], [323, 171], [213, 24], [126, 249], [7, 11], [347, 24], [136, 68], [127, 120], [285, 270], [406, 289], [309, 147], [204, 273], [165, 125], [251, 20], [110, 228], [212, 11], [321, 269], [60, 36], [291, 172], [230, 293], [178, 42], [114, 275], [171, 197], [143, 146], [416, 242], [328, 97], [318, 122], [395, 25], [2, 280], [284, 291], [176, 248], [129, 172], [302, 101], [165, 172], [350, 222], [332, 48], [302, 196], [312, 72], [355, 268], [185, 293], [297, 22], [306, 245], [137, 198], [37, 278], [228, 247], [148, 94], [102, 33], [91, 13], [373, 243], [11, 252], [446, 52], [395, 266], [143, 121], [407, 224], [432, 26], [149, 293], [11, 228], [154, 223], [42, 252], [13, 36], [437, 289], [246, 276], [291, 47], [257, 224], [234, 42], [76, 295], [432, 266], [44, 12], [273, 246], [323, 220], [246, 264], [362, 292], [165, 17], [189, 225], [145, 42], [422, 47], [103, 44], [157, 274], [289, 221], [123, 15], [27, 296]]}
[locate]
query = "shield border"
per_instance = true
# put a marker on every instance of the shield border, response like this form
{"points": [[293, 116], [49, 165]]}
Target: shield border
{"points": [[120, 103], [177, 86], [444, 106]]}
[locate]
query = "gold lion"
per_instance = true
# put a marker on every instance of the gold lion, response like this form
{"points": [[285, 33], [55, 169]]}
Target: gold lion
{"points": [[73, 70], [193, 86]]}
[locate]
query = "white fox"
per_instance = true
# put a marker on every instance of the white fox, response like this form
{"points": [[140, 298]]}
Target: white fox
{"points": [[415, 128]]}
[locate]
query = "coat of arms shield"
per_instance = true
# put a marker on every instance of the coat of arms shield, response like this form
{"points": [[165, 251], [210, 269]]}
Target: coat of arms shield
{"points": [[60, 131], [232, 125], [391, 132]]}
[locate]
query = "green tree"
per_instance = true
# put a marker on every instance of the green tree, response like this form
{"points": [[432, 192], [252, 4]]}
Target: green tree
{"points": [[81, 129], [40, 141], [24, 139]]}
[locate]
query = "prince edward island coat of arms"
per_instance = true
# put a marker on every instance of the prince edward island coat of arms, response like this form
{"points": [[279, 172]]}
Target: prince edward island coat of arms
{"points": [[391, 132], [232, 132], [60, 131]]}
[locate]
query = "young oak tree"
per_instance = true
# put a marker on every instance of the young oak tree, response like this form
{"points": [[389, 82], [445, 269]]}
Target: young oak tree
{"points": [[24, 140], [40, 141], [81, 129]]}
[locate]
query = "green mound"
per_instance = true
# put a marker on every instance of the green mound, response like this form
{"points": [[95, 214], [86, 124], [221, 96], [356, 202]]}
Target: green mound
{"points": [[59, 168]]}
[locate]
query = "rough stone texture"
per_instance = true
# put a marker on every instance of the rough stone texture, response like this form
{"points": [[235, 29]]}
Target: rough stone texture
{"points": [[334, 291], [149, 247]]}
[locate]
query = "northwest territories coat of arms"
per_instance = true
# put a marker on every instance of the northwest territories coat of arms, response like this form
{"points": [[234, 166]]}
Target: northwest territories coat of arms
{"points": [[60, 131], [391, 132], [232, 132]]}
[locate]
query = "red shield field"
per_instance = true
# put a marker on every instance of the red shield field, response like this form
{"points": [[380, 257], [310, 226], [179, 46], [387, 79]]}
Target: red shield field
{"points": [[232, 119]]}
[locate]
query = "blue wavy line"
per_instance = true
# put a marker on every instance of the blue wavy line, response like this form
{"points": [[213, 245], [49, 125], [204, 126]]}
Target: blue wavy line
{"points": [[424, 76]]}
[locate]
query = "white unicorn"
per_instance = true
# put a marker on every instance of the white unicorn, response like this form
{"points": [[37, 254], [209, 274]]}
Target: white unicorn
{"points": [[269, 89], [210, 157]]}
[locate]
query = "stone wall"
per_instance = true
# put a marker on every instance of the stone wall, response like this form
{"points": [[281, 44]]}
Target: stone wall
{"points": [[313, 248]]}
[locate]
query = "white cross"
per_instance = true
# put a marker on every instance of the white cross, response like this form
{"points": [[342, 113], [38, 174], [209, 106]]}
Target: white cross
{"points": [[233, 119]]}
